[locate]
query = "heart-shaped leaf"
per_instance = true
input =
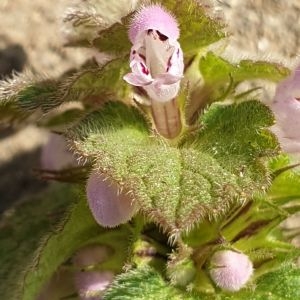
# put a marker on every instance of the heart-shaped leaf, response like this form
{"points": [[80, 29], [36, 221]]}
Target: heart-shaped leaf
{"points": [[180, 186]]}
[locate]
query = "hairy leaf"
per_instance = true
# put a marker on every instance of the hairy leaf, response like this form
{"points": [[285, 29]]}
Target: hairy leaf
{"points": [[179, 186], [141, 284], [99, 24], [21, 230], [113, 40], [282, 284], [79, 229], [285, 188], [28, 92], [198, 30], [98, 84], [216, 70]]}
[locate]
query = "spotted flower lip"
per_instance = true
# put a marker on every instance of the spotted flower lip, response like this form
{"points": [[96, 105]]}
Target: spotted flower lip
{"points": [[156, 59]]}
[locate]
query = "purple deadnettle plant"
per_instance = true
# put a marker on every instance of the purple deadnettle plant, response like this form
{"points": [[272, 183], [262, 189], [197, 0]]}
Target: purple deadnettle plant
{"points": [[184, 186]]}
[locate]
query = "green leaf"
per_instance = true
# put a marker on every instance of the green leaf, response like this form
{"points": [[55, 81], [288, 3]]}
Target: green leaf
{"points": [[219, 79], [237, 136], [282, 284], [79, 229], [28, 92], [145, 283], [102, 83], [141, 284], [198, 30], [39, 95], [10, 113], [216, 70], [100, 24], [21, 230], [62, 120], [114, 40], [285, 188], [180, 186]]}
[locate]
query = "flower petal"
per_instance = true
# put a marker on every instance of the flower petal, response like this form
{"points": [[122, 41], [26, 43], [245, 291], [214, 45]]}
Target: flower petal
{"points": [[175, 64], [136, 80], [153, 17], [160, 92], [286, 107]]}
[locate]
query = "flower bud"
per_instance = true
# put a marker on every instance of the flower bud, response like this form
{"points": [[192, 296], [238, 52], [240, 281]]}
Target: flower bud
{"points": [[91, 284], [55, 154], [156, 62], [110, 206], [230, 270], [90, 255]]}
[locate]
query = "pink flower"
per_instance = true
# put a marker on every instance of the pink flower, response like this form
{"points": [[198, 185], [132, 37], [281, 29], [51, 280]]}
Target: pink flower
{"points": [[286, 107], [92, 284], [156, 59], [230, 270], [110, 207]]}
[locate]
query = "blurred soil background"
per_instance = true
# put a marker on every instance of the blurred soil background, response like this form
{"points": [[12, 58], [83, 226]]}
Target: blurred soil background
{"points": [[30, 38]]}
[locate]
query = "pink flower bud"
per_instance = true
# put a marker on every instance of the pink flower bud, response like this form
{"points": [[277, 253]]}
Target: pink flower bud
{"points": [[55, 154], [286, 107], [91, 284], [156, 59], [110, 207], [90, 255], [230, 270]]}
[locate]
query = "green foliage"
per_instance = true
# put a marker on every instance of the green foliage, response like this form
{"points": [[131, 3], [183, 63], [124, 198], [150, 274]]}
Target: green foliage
{"points": [[214, 187], [198, 30], [141, 284], [93, 85], [282, 284], [22, 228], [106, 42], [216, 70], [209, 173], [213, 79], [38, 95], [105, 83], [78, 229], [285, 188], [236, 135]]}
